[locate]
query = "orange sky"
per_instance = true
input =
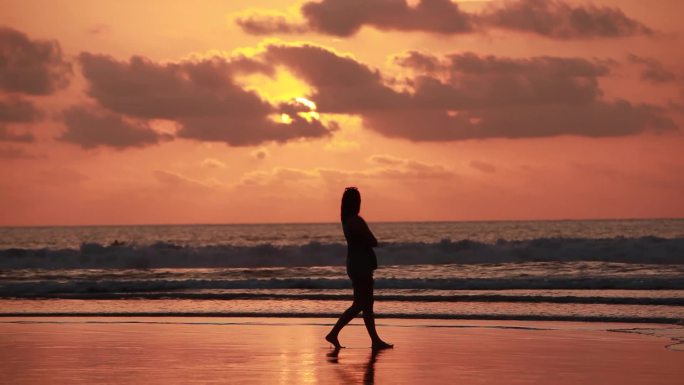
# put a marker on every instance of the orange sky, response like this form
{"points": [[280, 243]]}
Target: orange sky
{"points": [[129, 112]]}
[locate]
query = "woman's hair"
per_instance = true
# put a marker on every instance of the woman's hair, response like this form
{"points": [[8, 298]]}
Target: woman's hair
{"points": [[351, 203]]}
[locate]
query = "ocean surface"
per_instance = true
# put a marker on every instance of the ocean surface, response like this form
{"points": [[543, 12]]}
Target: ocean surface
{"points": [[607, 270]]}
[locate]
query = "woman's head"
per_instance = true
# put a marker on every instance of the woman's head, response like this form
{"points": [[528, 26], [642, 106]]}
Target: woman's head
{"points": [[351, 203]]}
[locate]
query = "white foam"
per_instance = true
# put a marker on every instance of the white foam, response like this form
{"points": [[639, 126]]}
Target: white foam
{"points": [[648, 250]]}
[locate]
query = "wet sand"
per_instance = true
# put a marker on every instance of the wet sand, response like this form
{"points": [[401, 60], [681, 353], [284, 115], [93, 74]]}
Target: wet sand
{"points": [[292, 351]]}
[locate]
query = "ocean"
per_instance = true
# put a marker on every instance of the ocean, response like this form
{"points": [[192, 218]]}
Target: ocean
{"points": [[599, 270]]}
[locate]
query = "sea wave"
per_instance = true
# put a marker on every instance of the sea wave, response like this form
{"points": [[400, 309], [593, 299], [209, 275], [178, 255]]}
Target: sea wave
{"points": [[46, 288], [653, 250], [448, 316], [507, 298]]}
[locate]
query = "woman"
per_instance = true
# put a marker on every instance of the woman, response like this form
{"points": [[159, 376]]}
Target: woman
{"points": [[361, 262]]}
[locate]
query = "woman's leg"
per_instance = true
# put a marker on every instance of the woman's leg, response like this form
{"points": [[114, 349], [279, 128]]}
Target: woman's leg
{"points": [[366, 294], [345, 318]]}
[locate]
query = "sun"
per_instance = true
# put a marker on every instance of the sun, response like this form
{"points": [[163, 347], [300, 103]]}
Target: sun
{"points": [[310, 115], [306, 102]]}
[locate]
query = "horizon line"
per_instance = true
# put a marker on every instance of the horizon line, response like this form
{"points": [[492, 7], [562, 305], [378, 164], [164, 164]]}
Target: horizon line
{"points": [[335, 222]]}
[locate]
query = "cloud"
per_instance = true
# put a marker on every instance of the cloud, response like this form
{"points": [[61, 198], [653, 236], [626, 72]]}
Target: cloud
{"points": [[342, 83], [6, 135], [14, 153], [342, 145], [17, 110], [386, 167], [385, 160], [99, 29], [549, 18], [467, 96], [34, 67], [483, 166], [174, 180], [268, 22], [200, 95], [677, 107], [260, 153], [653, 70], [596, 119], [561, 20], [277, 176], [470, 80], [58, 176], [392, 167], [346, 17], [213, 163], [90, 128]]}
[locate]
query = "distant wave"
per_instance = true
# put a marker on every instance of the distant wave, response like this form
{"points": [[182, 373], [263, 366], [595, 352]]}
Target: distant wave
{"points": [[664, 301], [520, 317], [46, 288], [168, 255]]}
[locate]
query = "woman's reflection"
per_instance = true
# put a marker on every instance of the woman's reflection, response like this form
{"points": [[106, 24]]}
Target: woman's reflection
{"points": [[349, 375]]}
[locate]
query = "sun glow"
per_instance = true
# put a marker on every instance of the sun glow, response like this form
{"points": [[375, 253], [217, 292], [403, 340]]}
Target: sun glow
{"points": [[308, 115], [280, 87], [306, 102], [285, 118]]}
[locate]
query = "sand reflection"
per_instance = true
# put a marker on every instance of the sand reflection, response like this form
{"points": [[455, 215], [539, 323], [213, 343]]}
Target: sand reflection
{"points": [[353, 373]]}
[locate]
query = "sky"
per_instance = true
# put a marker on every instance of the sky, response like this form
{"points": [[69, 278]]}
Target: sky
{"points": [[170, 112]]}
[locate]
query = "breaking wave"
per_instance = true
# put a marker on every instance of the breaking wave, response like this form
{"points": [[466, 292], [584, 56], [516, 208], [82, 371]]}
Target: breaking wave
{"points": [[94, 287], [649, 250]]}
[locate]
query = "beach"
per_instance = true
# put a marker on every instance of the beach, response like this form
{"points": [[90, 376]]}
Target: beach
{"points": [[526, 302], [167, 350]]}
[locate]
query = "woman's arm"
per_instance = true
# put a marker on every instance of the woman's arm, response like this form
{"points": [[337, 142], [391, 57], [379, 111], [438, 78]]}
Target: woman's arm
{"points": [[365, 234]]}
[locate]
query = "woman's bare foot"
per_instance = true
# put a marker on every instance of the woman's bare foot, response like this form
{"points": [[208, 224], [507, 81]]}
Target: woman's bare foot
{"points": [[380, 344], [334, 341]]}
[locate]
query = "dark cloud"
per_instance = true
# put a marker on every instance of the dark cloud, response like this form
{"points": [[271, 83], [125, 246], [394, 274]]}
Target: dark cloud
{"points": [[550, 18], [266, 23], [17, 110], [470, 81], [558, 19], [346, 17], [199, 95], [466, 96], [417, 61], [28, 66], [89, 128], [596, 119], [13, 110], [653, 70], [342, 84], [7, 135], [677, 107]]}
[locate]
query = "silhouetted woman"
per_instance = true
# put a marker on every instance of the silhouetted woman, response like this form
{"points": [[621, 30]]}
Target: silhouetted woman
{"points": [[361, 262]]}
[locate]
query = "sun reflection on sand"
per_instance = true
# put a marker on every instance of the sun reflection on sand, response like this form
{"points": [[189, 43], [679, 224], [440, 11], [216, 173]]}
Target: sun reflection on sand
{"points": [[186, 350]]}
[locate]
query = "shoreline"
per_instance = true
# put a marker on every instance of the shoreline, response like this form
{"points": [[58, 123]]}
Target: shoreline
{"points": [[408, 316]]}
